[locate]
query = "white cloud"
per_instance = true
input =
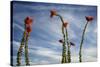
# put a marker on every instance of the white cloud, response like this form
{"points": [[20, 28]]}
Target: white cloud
{"points": [[88, 55], [95, 30], [18, 26], [15, 44], [46, 52]]}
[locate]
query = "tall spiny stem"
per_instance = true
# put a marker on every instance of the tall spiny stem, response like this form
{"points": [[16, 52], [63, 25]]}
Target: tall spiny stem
{"points": [[19, 54], [81, 44], [26, 50], [68, 45], [64, 58]]}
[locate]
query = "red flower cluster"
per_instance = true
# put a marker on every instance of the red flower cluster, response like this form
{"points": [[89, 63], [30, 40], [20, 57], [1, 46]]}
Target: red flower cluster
{"points": [[53, 13], [28, 23], [89, 18], [28, 20], [65, 24], [28, 29]]}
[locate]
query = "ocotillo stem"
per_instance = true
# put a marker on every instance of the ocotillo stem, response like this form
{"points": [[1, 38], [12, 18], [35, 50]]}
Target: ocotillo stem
{"points": [[26, 50], [81, 44], [19, 54], [64, 59], [68, 45]]}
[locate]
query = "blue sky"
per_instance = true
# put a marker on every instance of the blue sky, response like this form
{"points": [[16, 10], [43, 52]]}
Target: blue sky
{"points": [[44, 47]]}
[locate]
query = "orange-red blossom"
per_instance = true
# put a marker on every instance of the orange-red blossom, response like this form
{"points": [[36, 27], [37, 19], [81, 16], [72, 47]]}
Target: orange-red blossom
{"points": [[28, 24], [53, 13], [89, 18]]}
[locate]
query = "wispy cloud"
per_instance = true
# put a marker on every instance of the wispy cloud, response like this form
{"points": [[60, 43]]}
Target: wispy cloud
{"points": [[18, 26]]}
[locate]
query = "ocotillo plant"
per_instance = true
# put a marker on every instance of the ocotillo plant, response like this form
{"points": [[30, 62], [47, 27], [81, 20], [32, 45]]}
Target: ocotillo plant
{"points": [[64, 55], [28, 24], [88, 19], [24, 42]]}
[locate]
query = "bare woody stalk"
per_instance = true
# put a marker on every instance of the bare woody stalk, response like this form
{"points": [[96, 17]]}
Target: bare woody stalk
{"points": [[88, 18], [26, 50]]}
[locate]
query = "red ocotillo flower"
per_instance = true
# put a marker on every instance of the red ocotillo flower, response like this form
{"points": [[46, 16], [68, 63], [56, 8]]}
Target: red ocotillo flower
{"points": [[65, 24], [89, 18], [28, 23], [28, 29], [53, 13], [28, 20]]}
